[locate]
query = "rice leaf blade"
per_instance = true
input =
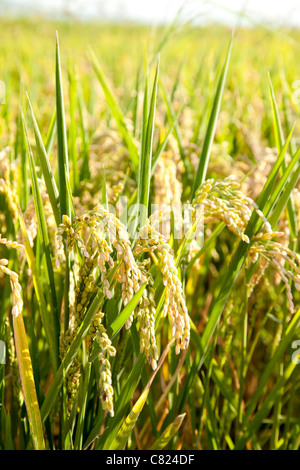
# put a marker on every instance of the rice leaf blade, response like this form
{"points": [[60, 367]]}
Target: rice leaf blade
{"points": [[210, 131], [168, 433], [27, 381]]}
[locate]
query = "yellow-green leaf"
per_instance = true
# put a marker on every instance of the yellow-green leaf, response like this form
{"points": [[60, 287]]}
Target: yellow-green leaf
{"points": [[27, 382], [168, 433]]}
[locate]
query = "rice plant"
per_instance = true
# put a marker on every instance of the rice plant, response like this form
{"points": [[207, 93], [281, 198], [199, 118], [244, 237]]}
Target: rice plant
{"points": [[149, 265]]}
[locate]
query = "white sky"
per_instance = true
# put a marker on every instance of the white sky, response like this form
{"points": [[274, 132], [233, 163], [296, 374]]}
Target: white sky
{"points": [[154, 11]]}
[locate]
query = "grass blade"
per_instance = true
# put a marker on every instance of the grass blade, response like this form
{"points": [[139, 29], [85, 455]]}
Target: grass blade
{"points": [[72, 127], [62, 148], [69, 357], [51, 132], [121, 437], [210, 131], [42, 225], [44, 310], [124, 432], [168, 433], [279, 137], [231, 274], [121, 319]]}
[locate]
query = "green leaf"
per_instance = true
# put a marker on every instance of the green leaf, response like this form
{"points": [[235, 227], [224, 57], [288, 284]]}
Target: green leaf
{"points": [[228, 280], [117, 440], [270, 193], [124, 432], [206, 244], [146, 155], [85, 170], [163, 144], [279, 138], [46, 168], [121, 405], [70, 355], [251, 425], [43, 233], [8, 444], [121, 319], [172, 120], [27, 381], [82, 405], [284, 198], [210, 131], [66, 363]]}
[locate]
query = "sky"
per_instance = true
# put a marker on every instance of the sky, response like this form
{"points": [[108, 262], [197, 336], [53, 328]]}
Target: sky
{"points": [[285, 12]]}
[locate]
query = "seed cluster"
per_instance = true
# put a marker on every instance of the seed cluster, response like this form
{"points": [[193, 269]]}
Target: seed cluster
{"points": [[30, 219], [14, 278], [83, 292], [145, 315], [72, 377], [223, 200], [285, 261], [98, 236], [168, 188], [100, 224]]}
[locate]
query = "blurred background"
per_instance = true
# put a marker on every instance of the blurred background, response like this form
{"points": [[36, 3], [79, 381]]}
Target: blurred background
{"points": [[191, 37]]}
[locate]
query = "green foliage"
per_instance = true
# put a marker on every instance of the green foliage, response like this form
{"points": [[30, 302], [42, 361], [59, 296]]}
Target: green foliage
{"points": [[105, 125]]}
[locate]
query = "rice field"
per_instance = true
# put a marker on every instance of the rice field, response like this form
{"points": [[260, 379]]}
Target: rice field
{"points": [[149, 237]]}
